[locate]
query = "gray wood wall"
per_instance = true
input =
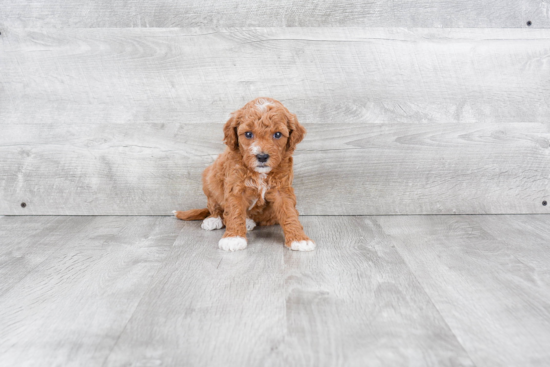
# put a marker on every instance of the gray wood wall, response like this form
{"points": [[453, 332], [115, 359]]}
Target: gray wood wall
{"points": [[412, 107]]}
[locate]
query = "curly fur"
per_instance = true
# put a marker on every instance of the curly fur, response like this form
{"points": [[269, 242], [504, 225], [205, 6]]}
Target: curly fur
{"points": [[238, 186]]}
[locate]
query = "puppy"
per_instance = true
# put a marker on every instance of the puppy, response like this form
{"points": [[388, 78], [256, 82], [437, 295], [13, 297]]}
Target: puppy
{"points": [[251, 182]]}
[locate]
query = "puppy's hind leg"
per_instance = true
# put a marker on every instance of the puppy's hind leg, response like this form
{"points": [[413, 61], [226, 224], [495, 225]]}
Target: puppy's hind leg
{"points": [[250, 224], [214, 221]]}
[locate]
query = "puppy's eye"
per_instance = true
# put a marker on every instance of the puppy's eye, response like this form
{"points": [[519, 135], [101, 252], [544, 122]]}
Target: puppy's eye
{"points": [[277, 135], [248, 134]]}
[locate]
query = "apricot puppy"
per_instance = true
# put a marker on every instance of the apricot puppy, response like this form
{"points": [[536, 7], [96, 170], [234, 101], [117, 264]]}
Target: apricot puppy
{"points": [[251, 182]]}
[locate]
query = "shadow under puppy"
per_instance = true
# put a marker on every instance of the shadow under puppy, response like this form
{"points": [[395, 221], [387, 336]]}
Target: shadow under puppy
{"points": [[251, 182]]}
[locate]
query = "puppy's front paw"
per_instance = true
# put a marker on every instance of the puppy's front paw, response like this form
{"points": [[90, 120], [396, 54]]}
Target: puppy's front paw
{"points": [[232, 243], [212, 223], [250, 224], [307, 245]]}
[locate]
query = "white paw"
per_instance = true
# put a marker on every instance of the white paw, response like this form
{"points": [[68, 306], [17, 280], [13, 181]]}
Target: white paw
{"points": [[212, 223], [302, 246], [250, 224], [232, 243], [174, 212]]}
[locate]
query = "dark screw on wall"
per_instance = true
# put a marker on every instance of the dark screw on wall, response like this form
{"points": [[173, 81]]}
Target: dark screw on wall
{"points": [[544, 203], [23, 205], [529, 23]]}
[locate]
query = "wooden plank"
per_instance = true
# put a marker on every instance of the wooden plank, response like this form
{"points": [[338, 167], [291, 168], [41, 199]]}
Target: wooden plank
{"points": [[343, 169], [29, 242], [209, 307], [536, 13], [15, 231], [526, 238], [354, 302], [104, 169], [324, 75], [233, 13], [72, 307], [496, 303]]}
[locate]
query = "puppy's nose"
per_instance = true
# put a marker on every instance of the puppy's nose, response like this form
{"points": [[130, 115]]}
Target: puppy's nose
{"points": [[262, 158]]}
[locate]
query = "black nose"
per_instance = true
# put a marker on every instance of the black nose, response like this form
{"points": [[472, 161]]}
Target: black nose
{"points": [[262, 158]]}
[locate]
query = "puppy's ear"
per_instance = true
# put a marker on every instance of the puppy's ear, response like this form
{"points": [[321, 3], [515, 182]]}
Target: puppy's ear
{"points": [[230, 136], [297, 133]]}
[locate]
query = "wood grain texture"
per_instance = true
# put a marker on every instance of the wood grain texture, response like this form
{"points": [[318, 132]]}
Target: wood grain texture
{"points": [[354, 302], [210, 307], [346, 304], [526, 238], [378, 291], [234, 13], [345, 169], [324, 75], [13, 235], [491, 291], [29, 242], [70, 309], [537, 12]]}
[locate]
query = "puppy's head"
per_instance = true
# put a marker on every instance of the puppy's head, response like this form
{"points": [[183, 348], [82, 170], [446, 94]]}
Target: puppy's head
{"points": [[265, 133]]}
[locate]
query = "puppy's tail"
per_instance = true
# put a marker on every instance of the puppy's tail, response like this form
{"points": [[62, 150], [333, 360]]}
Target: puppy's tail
{"points": [[193, 214]]}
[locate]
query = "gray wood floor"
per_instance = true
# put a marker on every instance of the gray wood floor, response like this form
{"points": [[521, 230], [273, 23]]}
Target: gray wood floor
{"points": [[378, 291]]}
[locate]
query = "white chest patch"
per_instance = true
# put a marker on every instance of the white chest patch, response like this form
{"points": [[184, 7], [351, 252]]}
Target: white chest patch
{"points": [[261, 185]]}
